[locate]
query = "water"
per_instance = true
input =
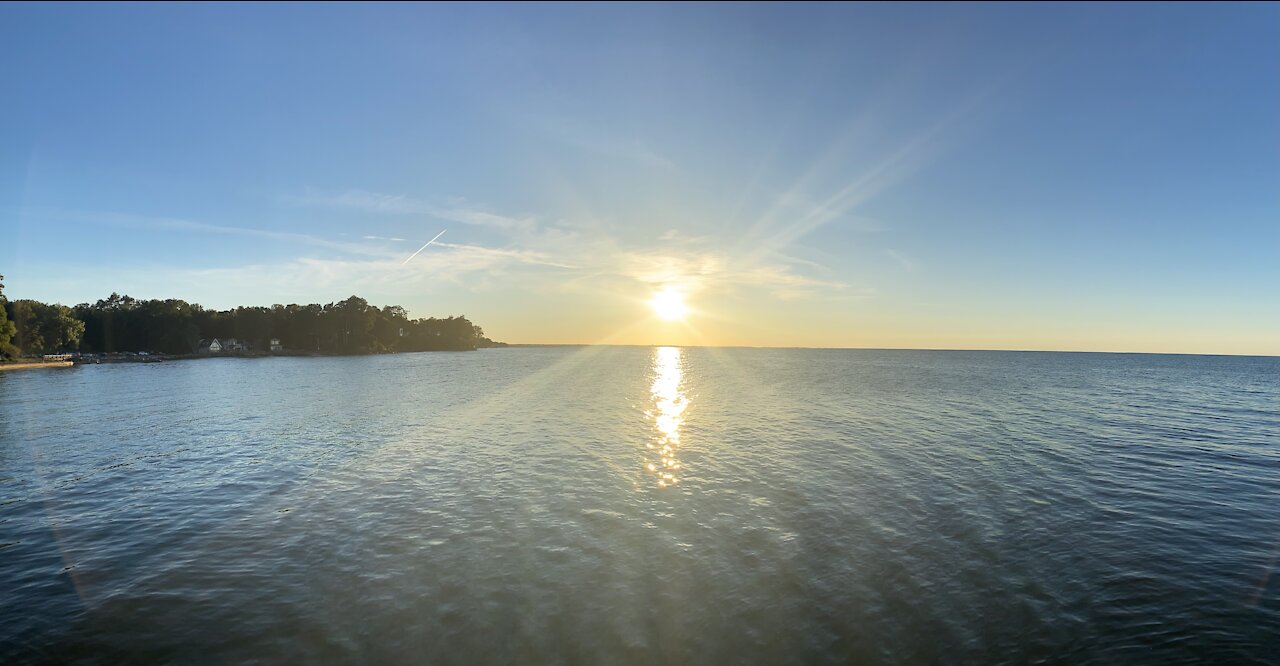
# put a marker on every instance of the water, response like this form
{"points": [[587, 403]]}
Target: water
{"points": [[634, 505]]}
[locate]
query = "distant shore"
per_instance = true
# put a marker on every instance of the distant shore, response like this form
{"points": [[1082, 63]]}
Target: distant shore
{"points": [[35, 364], [142, 357]]}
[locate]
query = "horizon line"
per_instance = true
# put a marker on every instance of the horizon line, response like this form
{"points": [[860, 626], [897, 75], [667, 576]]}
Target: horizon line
{"points": [[933, 349]]}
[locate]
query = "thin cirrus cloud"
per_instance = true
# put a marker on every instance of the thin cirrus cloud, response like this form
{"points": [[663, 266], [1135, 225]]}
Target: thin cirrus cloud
{"points": [[588, 256], [533, 255], [181, 225], [315, 279], [358, 263], [376, 202], [903, 259], [632, 149]]}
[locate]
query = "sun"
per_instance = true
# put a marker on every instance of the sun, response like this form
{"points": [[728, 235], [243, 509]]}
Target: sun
{"points": [[669, 304]]}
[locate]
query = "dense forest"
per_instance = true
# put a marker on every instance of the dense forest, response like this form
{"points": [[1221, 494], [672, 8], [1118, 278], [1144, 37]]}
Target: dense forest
{"points": [[121, 323]]}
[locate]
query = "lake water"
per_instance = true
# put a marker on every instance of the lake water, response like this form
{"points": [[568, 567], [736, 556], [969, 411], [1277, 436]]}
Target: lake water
{"points": [[640, 505]]}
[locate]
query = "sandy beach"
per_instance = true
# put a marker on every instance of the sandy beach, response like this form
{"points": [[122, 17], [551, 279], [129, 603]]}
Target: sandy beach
{"points": [[35, 364]]}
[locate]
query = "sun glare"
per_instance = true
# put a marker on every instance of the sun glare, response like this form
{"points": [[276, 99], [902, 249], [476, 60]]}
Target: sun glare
{"points": [[669, 305]]}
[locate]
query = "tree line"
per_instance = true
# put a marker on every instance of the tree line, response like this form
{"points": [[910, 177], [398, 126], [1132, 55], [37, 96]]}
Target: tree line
{"points": [[172, 326]]}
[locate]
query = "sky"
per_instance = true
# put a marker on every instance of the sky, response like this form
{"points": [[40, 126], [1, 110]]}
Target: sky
{"points": [[986, 176]]}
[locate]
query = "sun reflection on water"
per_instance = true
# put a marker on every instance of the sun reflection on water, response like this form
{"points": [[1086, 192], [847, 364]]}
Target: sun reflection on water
{"points": [[669, 405]]}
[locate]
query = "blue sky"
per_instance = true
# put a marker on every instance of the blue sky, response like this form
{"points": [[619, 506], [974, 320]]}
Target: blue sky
{"points": [[978, 176]]}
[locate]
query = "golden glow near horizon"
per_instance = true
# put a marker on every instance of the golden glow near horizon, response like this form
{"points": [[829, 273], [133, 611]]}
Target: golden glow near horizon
{"points": [[669, 304], [669, 405]]}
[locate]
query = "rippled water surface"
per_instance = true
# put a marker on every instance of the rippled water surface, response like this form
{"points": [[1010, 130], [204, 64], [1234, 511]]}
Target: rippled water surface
{"points": [[633, 505]]}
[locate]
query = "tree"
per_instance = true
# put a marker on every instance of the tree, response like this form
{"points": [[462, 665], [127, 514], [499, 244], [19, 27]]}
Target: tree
{"points": [[252, 326], [351, 325], [124, 324], [42, 328], [168, 326], [7, 329], [389, 326]]}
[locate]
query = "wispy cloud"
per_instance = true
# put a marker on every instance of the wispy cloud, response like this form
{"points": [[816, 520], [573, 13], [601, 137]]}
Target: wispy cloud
{"points": [[602, 143], [904, 260], [529, 257], [630, 149], [713, 271], [399, 204], [174, 224], [677, 236], [569, 255], [589, 256]]}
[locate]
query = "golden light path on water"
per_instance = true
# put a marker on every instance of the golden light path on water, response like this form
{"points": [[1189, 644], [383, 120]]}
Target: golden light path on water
{"points": [[669, 405]]}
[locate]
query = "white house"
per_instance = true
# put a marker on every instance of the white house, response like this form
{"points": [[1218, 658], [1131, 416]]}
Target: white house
{"points": [[209, 346], [275, 345]]}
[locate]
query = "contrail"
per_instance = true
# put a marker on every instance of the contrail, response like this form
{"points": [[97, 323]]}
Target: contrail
{"points": [[423, 247]]}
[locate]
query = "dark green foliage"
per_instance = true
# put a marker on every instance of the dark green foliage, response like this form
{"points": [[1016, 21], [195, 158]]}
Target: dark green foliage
{"points": [[122, 323], [43, 329], [7, 329], [33, 328], [352, 326]]}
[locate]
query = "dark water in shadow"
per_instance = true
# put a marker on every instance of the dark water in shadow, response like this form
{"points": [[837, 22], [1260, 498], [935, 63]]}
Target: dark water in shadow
{"points": [[632, 505]]}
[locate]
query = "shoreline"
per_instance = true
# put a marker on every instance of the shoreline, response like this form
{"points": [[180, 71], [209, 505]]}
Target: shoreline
{"points": [[121, 358], [117, 358], [35, 364]]}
